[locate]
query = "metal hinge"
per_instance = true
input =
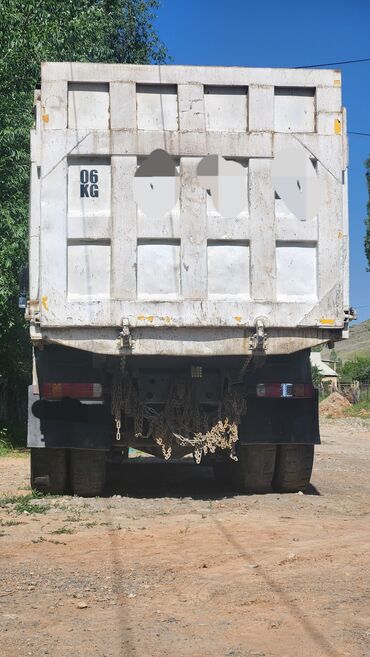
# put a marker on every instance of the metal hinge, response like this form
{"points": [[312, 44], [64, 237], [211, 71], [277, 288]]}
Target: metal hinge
{"points": [[258, 341], [350, 314], [125, 336]]}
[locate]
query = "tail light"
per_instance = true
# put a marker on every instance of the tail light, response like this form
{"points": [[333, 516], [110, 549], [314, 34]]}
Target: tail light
{"points": [[286, 390], [74, 390]]}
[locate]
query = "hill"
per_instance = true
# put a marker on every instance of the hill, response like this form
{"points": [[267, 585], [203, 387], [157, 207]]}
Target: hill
{"points": [[358, 343]]}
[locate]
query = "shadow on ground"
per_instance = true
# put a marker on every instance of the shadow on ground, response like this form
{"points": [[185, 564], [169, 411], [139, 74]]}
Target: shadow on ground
{"points": [[151, 477]]}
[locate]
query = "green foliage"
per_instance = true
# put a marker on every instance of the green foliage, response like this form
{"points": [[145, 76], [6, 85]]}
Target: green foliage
{"points": [[316, 376], [361, 409], [367, 220], [33, 31], [12, 439], [24, 503], [356, 370]]}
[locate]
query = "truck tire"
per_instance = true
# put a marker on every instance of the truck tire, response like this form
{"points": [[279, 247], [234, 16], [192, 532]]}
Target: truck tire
{"points": [[88, 471], [254, 470], [49, 472], [293, 468]]}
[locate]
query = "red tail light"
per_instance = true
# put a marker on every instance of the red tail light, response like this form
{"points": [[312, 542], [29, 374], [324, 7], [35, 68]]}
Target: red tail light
{"points": [[74, 390], [286, 390]]}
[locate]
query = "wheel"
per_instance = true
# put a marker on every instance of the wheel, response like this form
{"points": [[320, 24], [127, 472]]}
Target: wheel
{"points": [[88, 470], [293, 468], [254, 470], [49, 470]]}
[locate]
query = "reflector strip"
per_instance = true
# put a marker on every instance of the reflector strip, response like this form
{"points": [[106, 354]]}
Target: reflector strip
{"points": [[73, 390], [285, 390]]}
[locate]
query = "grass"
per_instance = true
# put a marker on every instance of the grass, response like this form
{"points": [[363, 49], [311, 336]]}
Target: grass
{"points": [[7, 449], [12, 440], [361, 409], [63, 530], [24, 503]]}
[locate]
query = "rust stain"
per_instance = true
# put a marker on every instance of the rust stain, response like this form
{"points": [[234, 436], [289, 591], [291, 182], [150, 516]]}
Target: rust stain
{"points": [[44, 301]]}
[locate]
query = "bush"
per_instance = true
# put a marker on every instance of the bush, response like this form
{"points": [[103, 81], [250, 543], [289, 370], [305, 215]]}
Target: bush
{"points": [[356, 370]]}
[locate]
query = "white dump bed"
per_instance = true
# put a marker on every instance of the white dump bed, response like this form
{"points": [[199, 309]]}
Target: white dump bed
{"points": [[197, 269]]}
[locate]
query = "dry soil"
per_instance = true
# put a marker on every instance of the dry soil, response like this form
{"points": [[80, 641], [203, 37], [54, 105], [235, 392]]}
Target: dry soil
{"points": [[168, 564]]}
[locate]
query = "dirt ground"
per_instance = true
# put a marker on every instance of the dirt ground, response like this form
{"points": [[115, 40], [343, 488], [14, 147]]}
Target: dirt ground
{"points": [[167, 564]]}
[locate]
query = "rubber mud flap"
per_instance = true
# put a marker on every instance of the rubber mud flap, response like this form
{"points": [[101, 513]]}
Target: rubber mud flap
{"points": [[293, 468], [49, 472]]}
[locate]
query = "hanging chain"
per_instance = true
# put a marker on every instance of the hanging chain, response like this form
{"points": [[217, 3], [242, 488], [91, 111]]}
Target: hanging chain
{"points": [[118, 396]]}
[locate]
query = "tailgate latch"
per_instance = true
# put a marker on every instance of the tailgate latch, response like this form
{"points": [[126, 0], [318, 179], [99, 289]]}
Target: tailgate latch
{"points": [[259, 339], [125, 336]]}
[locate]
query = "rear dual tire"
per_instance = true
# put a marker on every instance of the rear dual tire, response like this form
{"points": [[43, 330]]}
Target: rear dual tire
{"points": [[265, 467], [55, 471]]}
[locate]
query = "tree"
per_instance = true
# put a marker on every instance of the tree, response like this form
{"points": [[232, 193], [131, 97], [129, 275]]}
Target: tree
{"points": [[316, 376], [32, 31], [367, 220], [356, 370]]}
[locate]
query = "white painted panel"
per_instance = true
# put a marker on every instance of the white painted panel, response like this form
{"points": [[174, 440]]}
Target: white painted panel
{"points": [[228, 269], [294, 109], [89, 187], [89, 270], [225, 108], [88, 105], [158, 269], [157, 107], [296, 271]]}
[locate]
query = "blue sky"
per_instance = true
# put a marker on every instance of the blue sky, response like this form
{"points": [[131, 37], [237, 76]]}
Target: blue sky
{"points": [[283, 34]]}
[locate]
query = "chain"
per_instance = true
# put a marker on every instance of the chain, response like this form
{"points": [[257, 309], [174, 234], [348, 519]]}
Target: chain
{"points": [[118, 396], [183, 419]]}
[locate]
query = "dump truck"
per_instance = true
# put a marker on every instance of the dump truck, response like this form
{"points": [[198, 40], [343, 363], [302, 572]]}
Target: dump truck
{"points": [[188, 248]]}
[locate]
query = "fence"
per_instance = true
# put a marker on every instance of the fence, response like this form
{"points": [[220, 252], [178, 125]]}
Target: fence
{"points": [[356, 391]]}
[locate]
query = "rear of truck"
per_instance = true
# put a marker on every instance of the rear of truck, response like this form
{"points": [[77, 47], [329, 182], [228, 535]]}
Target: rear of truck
{"points": [[188, 247]]}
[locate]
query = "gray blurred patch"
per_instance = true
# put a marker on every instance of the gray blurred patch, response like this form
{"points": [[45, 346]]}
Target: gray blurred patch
{"points": [[295, 181], [156, 185], [226, 182]]}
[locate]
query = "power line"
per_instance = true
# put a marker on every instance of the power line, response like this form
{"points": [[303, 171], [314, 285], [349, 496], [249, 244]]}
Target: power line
{"points": [[348, 61], [361, 134]]}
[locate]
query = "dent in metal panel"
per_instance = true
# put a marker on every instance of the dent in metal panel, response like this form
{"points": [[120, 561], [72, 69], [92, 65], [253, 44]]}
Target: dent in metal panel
{"points": [[294, 109], [88, 105], [296, 271], [157, 107], [89, 270], [226, 108], [228, 269], [158, 268]]}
